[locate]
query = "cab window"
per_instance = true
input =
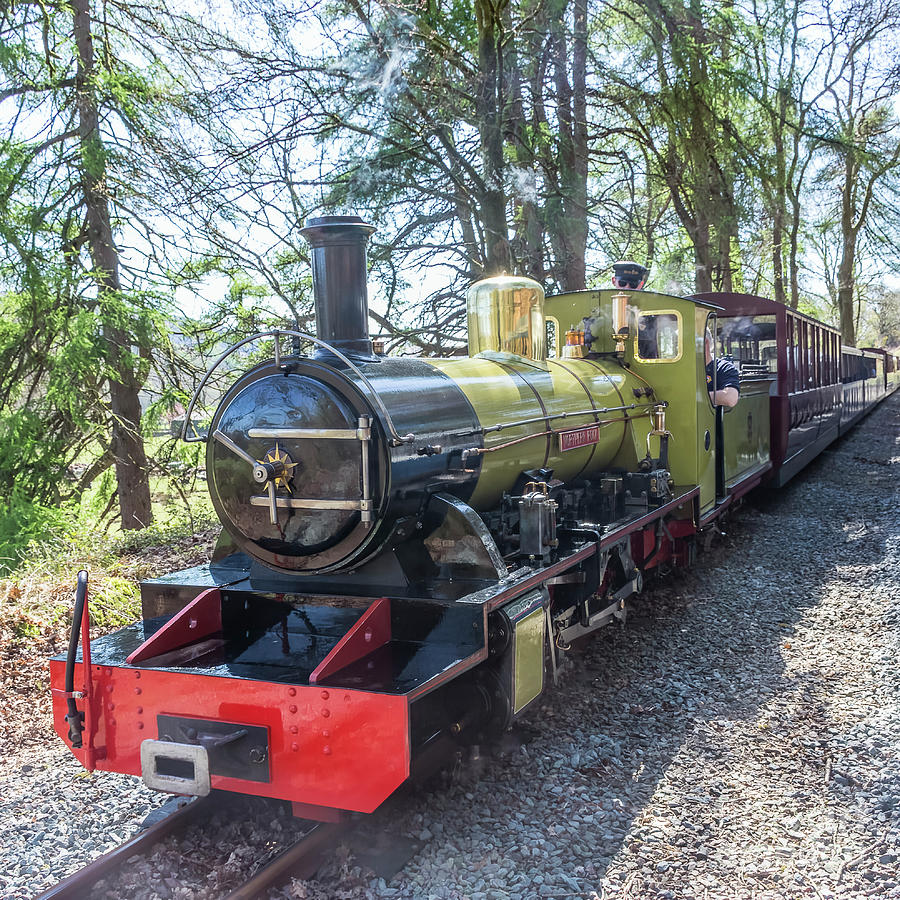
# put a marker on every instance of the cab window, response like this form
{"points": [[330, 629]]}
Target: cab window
{"points": [[658, 337], [551, 325]]}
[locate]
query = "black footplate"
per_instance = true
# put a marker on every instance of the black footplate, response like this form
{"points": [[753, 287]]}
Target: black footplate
{"points": [[234, 750]]}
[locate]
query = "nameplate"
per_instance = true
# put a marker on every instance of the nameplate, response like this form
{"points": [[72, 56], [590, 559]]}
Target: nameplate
{"points": [[579, 437]]}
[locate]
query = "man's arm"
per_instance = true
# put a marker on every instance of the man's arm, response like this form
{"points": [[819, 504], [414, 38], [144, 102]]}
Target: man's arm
{"points": [[726, 396]]}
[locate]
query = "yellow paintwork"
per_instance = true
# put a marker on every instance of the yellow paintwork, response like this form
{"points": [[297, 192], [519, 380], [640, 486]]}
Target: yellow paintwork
{"points": [[747, 431], [529, 659], [679, 382], [504, 388], [508, 388]]}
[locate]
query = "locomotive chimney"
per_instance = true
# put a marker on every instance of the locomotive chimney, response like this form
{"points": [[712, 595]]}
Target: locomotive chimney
{"points": [[338, 245]]}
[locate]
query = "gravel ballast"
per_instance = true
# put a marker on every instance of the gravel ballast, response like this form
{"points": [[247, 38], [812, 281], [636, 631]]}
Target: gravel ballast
{"points": [[739, 737]]}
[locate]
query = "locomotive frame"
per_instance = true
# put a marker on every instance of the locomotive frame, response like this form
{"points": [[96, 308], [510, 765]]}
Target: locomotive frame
{"points": [[508, 504]]}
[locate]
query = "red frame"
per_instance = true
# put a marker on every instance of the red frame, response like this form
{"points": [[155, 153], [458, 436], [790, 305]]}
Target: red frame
{"points": [[199, 619], [370, 631], [345, 749]]}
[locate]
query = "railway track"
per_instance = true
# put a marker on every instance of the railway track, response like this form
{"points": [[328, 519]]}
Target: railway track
{"points": [[299, 860]]}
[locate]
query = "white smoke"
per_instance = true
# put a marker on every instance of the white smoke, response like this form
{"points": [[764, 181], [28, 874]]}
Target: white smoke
{"points": [[386, 77], [391, 81], [524, 183]]}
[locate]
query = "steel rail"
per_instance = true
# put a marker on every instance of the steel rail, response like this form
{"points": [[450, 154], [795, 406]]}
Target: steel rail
{"points": [[301, 860], [78, 885]]}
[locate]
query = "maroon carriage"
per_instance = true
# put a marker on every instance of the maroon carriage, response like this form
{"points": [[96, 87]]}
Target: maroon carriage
{"points": [[762, 335]]}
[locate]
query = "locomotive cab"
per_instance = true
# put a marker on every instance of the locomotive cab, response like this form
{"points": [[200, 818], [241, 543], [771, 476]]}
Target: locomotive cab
{"points": [[664, 350]]}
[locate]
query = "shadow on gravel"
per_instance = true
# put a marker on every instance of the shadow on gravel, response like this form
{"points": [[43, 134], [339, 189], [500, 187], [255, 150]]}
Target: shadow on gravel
{"points": [[665, 735], [705, 653]]}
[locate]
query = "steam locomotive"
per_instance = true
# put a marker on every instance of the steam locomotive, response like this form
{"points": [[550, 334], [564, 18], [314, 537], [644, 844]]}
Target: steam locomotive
{"points": [[409, 544]]}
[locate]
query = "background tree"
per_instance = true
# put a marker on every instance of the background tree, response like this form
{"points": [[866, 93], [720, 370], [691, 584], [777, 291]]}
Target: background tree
{"points": [[682, 105], [861, 134], [86, 250], [147, 152]]}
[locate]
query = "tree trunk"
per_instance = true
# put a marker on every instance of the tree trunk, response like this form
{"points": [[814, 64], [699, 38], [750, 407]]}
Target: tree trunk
{"points": [[777, 255], [845, 293], [489, 104], [575, 200], [780, 200], [470, 242], [127, 443], [848, 251], [528, 245], [703, 264], [793, 262], [724, 266]]}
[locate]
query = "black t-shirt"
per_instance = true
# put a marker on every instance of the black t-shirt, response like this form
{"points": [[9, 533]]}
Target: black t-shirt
{"points": [[727, 374]]}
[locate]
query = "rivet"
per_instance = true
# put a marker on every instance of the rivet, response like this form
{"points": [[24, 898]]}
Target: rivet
{"points": [[292, 692], [295, 747], [326, 750], [111, 707], [137, 675], [326, 713], [140, 710], [192, 623], [293, 729], [112, 723], [324, 695], [140, 726], [109, 689], [346, 698], [137, 690], [293, 707], [367, 636], [326, 733]]}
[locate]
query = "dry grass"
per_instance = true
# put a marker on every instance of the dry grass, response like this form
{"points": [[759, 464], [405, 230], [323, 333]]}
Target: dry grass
{"points": [[36, 608]]}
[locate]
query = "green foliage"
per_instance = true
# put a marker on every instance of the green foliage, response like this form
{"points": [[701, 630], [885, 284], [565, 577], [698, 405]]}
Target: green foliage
{"points": [[24, 523], [76, 315]]}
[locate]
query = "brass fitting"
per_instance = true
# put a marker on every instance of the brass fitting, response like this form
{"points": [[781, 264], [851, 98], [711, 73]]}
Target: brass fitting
{"points": [[620, 329]]}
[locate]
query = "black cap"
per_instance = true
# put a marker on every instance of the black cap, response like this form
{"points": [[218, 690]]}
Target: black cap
{"points": [[629, 275]]}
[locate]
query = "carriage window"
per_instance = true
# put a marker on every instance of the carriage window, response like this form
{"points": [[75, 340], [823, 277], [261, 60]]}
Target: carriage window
{"points": [[658, 338], [803, 349], [791, 355], [814, 360], [750, 342]]}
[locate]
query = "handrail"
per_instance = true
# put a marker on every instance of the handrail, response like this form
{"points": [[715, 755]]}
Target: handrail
{"points": [[396, 439]]}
